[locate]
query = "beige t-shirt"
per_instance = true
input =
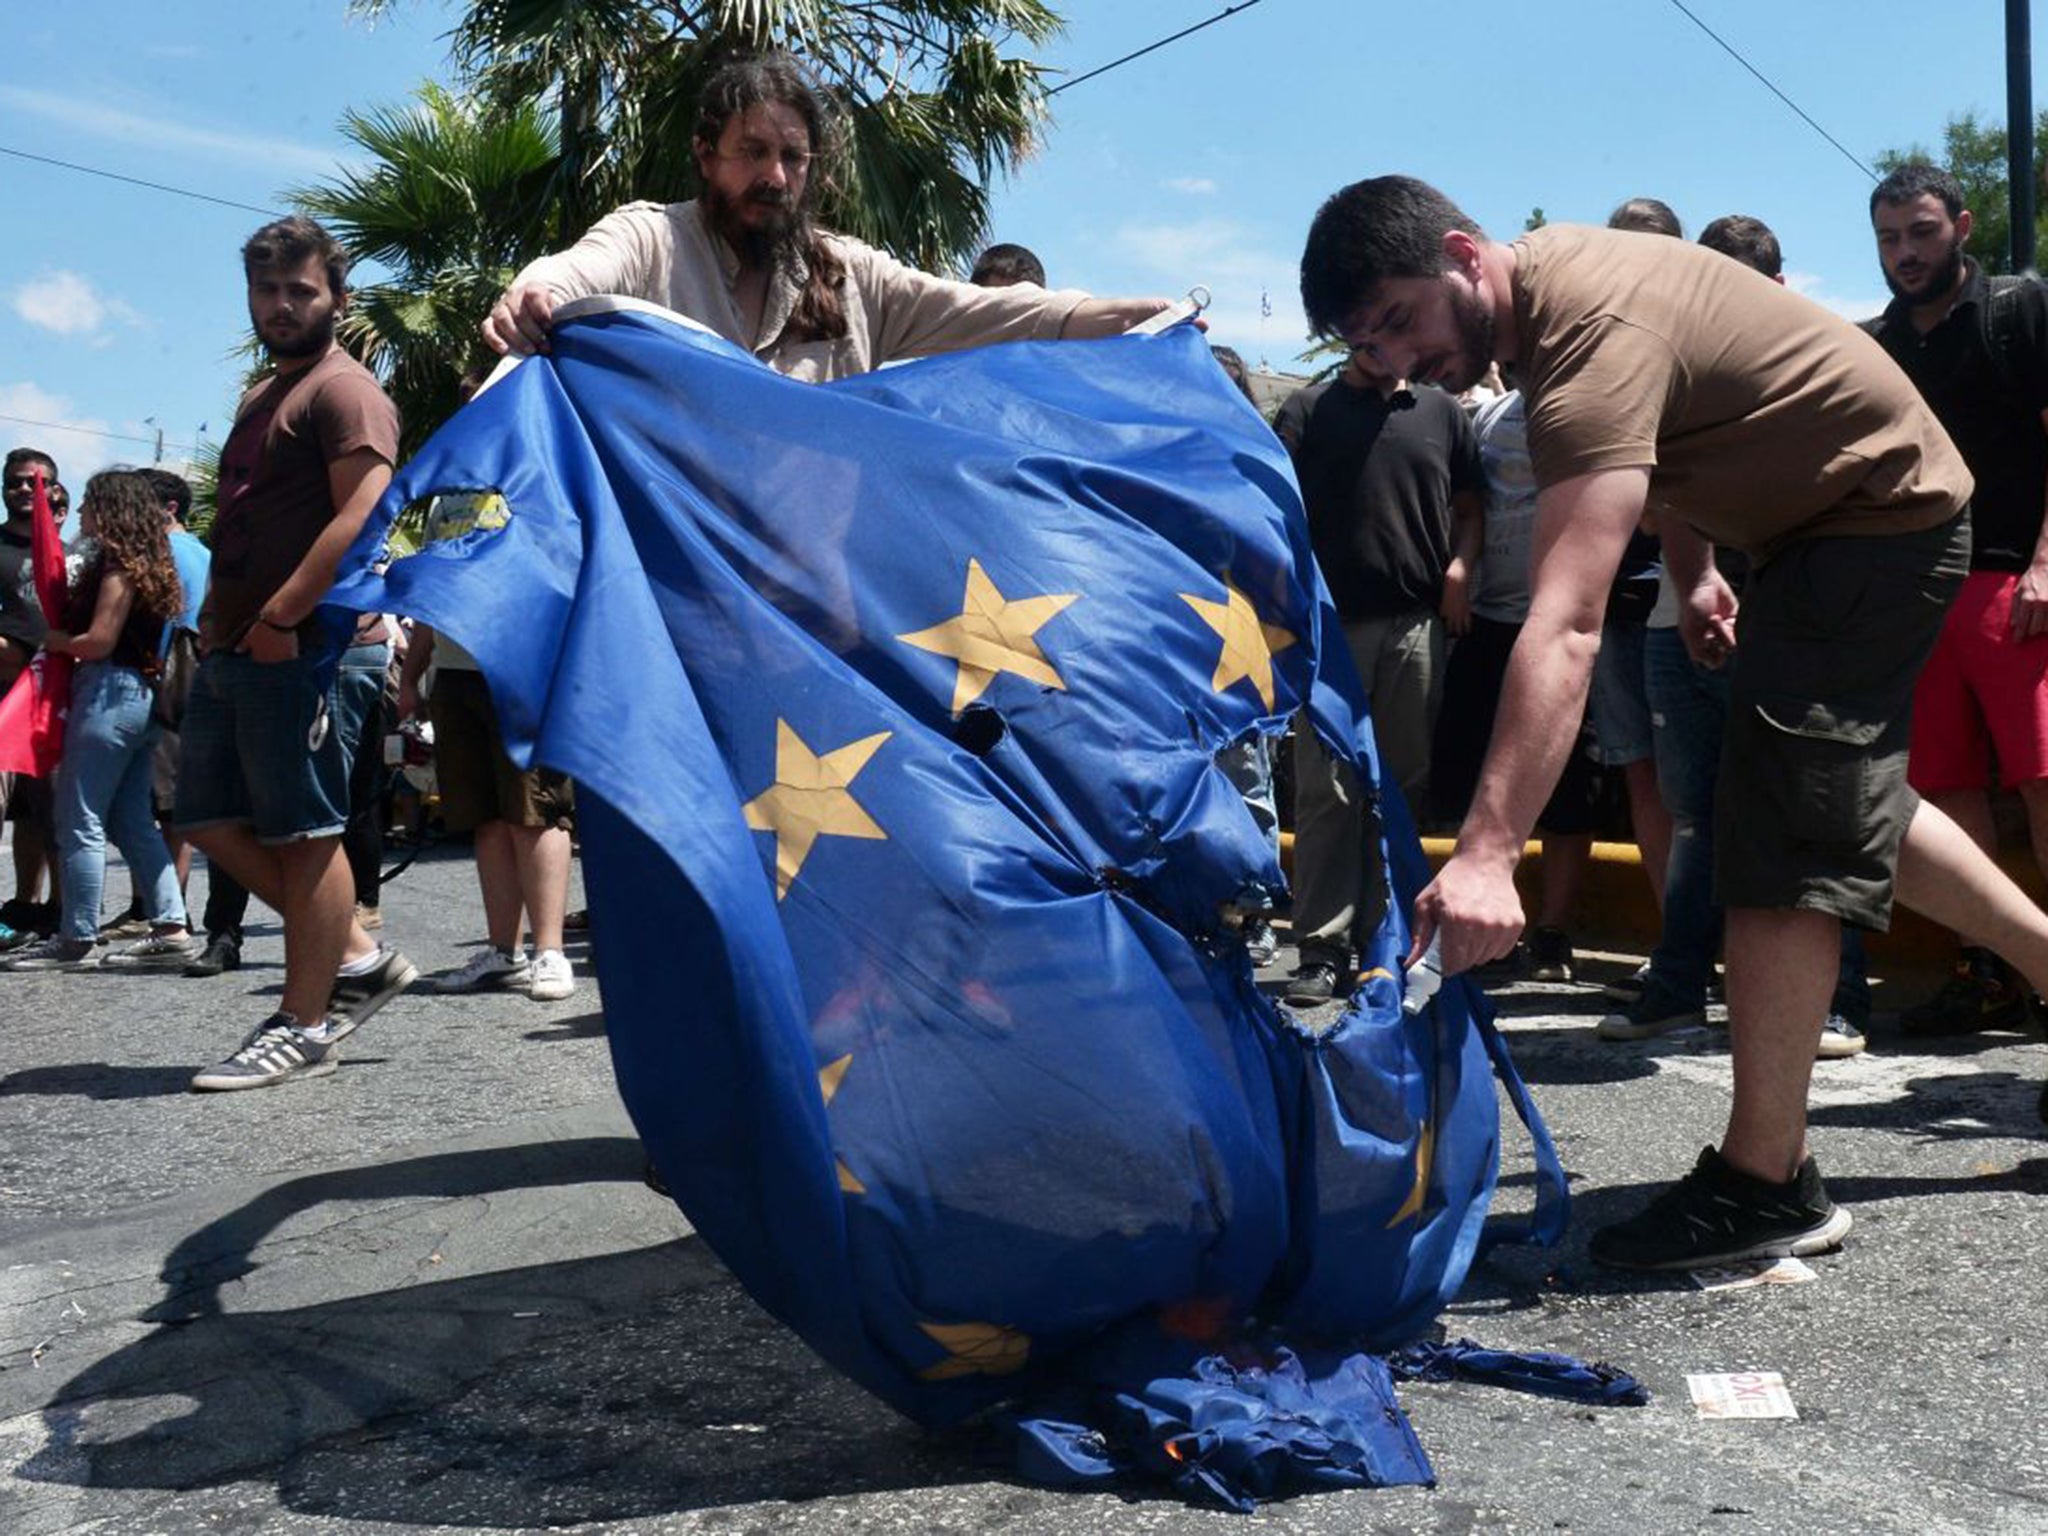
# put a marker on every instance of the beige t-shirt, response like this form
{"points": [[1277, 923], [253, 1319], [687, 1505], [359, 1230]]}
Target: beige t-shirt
{"points": [[668, 256], [1762, 417]]}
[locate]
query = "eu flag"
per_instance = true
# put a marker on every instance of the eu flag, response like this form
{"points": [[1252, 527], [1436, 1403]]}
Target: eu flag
{"points": [[893, 706]]}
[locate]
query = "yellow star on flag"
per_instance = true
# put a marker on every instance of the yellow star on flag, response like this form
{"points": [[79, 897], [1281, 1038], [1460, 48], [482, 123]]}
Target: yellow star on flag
{"points": [[1425, 1153], [830, 1076], [992, 634], [975, 1349], [1248, 641], [810, 799]]}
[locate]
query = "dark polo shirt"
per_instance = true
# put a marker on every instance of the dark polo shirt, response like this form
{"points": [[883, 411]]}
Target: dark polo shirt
{"points": [[1377, 476], [1993, 416]]}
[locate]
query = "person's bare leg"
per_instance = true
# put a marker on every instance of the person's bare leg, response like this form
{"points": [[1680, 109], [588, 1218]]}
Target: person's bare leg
{"points": [[1566, 857], [497, 876], [543, 855], [1945, 875], [1969, 809], [258, 867], [319, 911], [1781, 974], [1652, 822]]}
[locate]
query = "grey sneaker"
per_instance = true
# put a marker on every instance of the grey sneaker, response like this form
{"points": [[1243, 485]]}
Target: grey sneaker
{"points": [[355, 998], [158, 952], [277, 1051], [52, 955], [488, 970]]}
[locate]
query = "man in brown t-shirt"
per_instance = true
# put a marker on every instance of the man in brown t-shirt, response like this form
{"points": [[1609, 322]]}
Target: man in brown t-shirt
{"points": [[270, 728], [1664, 376]]}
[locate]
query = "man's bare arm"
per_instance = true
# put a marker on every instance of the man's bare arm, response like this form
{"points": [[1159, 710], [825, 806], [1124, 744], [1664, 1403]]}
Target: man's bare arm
{"points": [[1582, 529], [355, 481]]}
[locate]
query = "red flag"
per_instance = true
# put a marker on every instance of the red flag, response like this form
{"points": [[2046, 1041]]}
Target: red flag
{"points": [[32, 714]]}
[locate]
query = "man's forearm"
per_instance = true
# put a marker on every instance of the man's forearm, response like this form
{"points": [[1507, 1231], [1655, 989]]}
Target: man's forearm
{"points": [[1535, 731]]}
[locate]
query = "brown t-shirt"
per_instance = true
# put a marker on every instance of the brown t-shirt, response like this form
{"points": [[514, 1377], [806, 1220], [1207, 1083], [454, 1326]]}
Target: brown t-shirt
{"points": [[1762, 417], [273, 499]]}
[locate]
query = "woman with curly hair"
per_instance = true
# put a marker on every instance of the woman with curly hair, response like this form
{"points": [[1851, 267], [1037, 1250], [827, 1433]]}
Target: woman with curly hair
{"points": [[124, 591]]}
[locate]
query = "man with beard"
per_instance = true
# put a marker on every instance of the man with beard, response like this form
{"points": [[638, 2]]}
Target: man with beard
{"points": [[1660, 374], [1977, 348], [263, 776], [745, 259]]}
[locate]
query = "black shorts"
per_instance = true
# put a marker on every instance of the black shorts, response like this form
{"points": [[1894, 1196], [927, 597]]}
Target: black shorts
{"points": [[1813, 800], [1473, 677]]}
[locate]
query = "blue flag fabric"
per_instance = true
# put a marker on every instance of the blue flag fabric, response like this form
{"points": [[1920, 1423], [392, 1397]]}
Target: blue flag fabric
{"points": [[893, 706]]}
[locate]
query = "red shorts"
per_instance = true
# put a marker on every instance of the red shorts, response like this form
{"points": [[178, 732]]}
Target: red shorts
{"points": [[1982, 693]]}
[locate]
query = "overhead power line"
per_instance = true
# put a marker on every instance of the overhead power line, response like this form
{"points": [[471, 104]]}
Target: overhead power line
{"points": [[1738, 58], [124, 437], [137, 181], [1223, 15]]}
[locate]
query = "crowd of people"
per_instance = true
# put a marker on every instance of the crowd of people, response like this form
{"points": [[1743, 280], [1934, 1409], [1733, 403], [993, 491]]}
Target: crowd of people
{"points": [[1546, 482]]}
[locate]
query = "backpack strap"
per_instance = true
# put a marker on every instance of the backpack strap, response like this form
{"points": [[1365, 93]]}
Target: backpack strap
{"points": [[1998, 323]]}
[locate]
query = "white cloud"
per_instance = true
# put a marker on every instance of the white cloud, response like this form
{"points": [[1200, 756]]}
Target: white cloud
{"points": [[1243, 280], [1194, 186], [1854, 306], [101, 121], [68, 304], [74, 442]]}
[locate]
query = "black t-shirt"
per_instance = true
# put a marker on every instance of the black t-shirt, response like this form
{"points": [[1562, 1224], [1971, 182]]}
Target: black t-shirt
{"points": [[1377, 475], [1992, 413], [21, 615]]}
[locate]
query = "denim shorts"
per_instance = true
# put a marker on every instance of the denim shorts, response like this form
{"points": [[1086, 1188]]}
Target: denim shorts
{"points": [[1618, 706], [268, 745]]}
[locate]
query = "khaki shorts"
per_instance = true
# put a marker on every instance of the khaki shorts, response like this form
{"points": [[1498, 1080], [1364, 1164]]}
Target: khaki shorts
{"points": [[1813, 800], [478, 782]]}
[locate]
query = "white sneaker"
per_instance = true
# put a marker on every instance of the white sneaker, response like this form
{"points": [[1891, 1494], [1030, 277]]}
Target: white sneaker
{"points": [[552, 978], [488, 970]]}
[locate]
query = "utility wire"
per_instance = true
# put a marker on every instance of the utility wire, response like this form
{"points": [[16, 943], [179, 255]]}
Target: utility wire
{"points": [[1222, 15], [1738, 58], [125, 437], [137, 181]]}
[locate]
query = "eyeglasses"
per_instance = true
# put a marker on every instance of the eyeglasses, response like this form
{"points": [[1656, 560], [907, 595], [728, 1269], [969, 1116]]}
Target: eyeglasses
{"points": [[760, 156], [20, 482]]}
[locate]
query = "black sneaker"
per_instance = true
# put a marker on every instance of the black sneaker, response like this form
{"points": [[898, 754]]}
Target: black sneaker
{"points": [[1630, 988], [1657, 1011], [1313, 983], [355, 998], [1980, 995], [221, 954], [1717, 1214], [1550, 955]]}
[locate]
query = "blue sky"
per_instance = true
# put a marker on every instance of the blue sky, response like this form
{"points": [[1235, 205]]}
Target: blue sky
{"points": [[1201, 163]]}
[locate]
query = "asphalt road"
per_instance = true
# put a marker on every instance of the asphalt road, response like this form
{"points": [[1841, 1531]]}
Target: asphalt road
{"points": [[430, 1293]]}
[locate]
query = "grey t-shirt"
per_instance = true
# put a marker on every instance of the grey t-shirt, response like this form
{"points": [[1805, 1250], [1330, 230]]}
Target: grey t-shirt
{"points": [[1501, 590]]}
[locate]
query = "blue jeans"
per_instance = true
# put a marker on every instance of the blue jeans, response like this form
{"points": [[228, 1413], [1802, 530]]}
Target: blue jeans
{"points": [[102, 794], [1688, 716], [270, 744]]}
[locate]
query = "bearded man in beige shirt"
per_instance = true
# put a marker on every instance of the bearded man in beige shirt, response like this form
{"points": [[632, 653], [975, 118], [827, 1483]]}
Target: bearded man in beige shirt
{"points": [[746, 260]]}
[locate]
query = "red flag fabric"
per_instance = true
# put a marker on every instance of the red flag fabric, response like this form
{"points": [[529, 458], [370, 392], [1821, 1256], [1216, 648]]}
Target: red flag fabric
{"points": [[32, 714]]}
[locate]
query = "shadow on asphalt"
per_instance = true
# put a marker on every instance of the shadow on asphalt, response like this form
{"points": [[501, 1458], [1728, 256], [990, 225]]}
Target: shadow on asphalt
{"points": [[607, 1388], [584, 1026], [97, 1080]]}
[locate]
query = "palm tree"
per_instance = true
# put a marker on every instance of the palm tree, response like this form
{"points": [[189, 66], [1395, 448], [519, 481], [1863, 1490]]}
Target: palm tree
{"points": [[454, 199]]}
